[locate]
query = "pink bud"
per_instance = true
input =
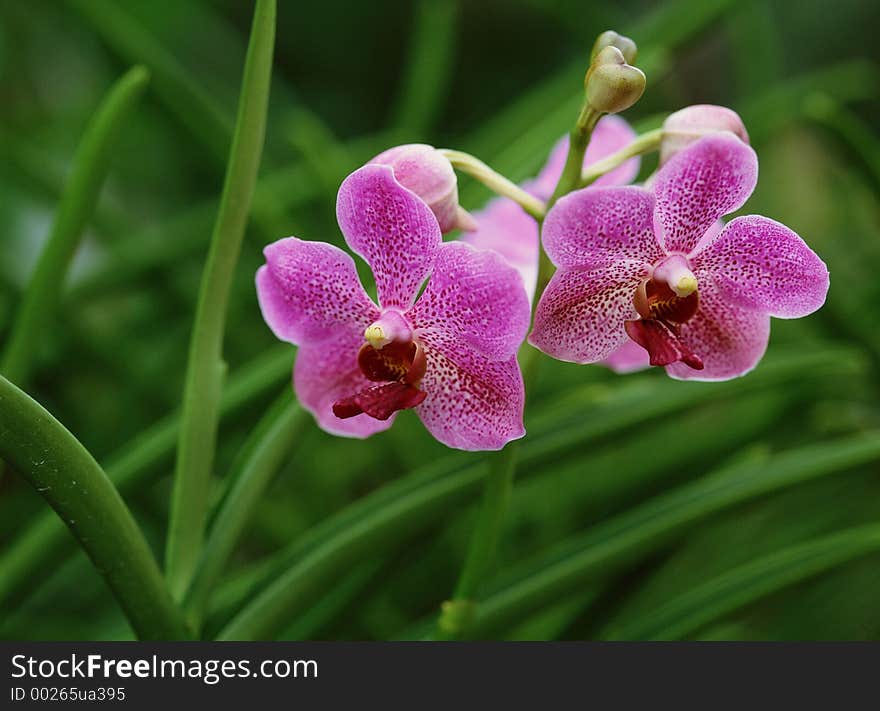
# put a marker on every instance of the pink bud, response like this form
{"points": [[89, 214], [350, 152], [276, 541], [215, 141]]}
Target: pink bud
{"points": [[429, 174], [693, 122]]}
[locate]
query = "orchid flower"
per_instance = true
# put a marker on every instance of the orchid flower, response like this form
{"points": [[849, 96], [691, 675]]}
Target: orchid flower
{"points": [[505, 227], [448, 352], [655, 266]]}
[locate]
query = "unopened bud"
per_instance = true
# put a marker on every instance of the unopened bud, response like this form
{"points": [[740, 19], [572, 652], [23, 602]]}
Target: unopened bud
{"points": [[429, 174], [610, 38], [691, 123], [611, 84]]}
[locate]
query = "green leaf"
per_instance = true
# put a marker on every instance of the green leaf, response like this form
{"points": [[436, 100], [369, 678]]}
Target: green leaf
{"points": [[53, 461], [285, 586], [648, 526], [269, 445], [39, 549], [688, 613], [90, 166], [205, 368]]}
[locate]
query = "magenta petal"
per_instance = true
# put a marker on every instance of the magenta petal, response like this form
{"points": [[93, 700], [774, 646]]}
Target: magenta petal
{"points": [[701, 184], [327, 373], [580, 317], [629, 358], [760, 264], [592, 227], [506, 228], [728, 339], [610, 135], [472, 403], [391, 228], [474, 299], [309, 291]]}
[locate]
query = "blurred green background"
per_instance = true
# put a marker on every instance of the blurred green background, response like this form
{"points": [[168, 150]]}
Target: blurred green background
{"points": [[643, 507]]}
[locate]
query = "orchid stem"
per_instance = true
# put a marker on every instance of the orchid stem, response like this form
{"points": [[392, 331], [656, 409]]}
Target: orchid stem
{"points": [[205, 368], [645, 143], [496, 182]]}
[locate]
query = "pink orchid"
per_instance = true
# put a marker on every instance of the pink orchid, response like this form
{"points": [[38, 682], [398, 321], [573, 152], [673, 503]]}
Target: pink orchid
{"points": [[449, 354], [505, 227], [653, 265]]}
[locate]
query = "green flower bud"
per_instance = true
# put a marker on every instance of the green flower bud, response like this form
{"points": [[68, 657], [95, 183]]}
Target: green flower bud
{"points": [[611, 84], [610, 38]]}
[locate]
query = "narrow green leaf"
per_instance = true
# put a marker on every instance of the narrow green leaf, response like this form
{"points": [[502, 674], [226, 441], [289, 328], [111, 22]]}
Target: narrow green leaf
{"points": [[40, 548], [268, 447], [65, 474], [397, 511], [194, 107], [688, 613], [205, 369], [428, 68], [90, 166], [648, 526]]}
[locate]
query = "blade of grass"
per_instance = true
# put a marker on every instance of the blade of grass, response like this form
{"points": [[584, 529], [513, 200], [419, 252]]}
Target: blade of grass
{"points": [[53, 461], [41, 547], [205, 368], [178, 90], [269, 445], [285, 586], [90, 166], [428, 68], [688, 613], [648, 526]]}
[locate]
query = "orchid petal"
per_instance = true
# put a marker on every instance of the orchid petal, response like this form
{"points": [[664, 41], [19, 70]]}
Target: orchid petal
{"points": [[472, 403], [309, 292], [709, 179], [760, 264], [593, 227], [474, 299], [391, 228], [728, 339], [580, 317]]}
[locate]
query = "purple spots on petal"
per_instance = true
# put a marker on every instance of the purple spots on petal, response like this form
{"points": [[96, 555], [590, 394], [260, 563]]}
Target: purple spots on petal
{"points": [[701, 184], [591, 227], [760, 264], [391, 228]]}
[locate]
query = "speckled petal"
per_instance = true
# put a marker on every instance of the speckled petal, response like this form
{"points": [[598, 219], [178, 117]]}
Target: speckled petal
{"points": [[391, 228], [473, 299], [730, 340], [503, 226], [472, 403], [709, 179], [629, 358], [760, 264], [309, 291], [580, 317], [593, 227], [328, 372], [610, 135]]}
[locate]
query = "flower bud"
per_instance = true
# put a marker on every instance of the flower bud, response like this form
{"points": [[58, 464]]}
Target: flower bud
{"points": [[611, 84], [429, 174], [693, 122], [610, 38]]}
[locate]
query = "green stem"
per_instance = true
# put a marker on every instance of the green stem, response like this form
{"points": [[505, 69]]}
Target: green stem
{"points": [[90, 166], [205, 369], [496, 182], [458, 613], [578, 140], [53, 461], [267, 448], [645, 143]]}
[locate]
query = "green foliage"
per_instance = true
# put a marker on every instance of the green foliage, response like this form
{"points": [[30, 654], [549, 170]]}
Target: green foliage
{"points": [[642, 507]]}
